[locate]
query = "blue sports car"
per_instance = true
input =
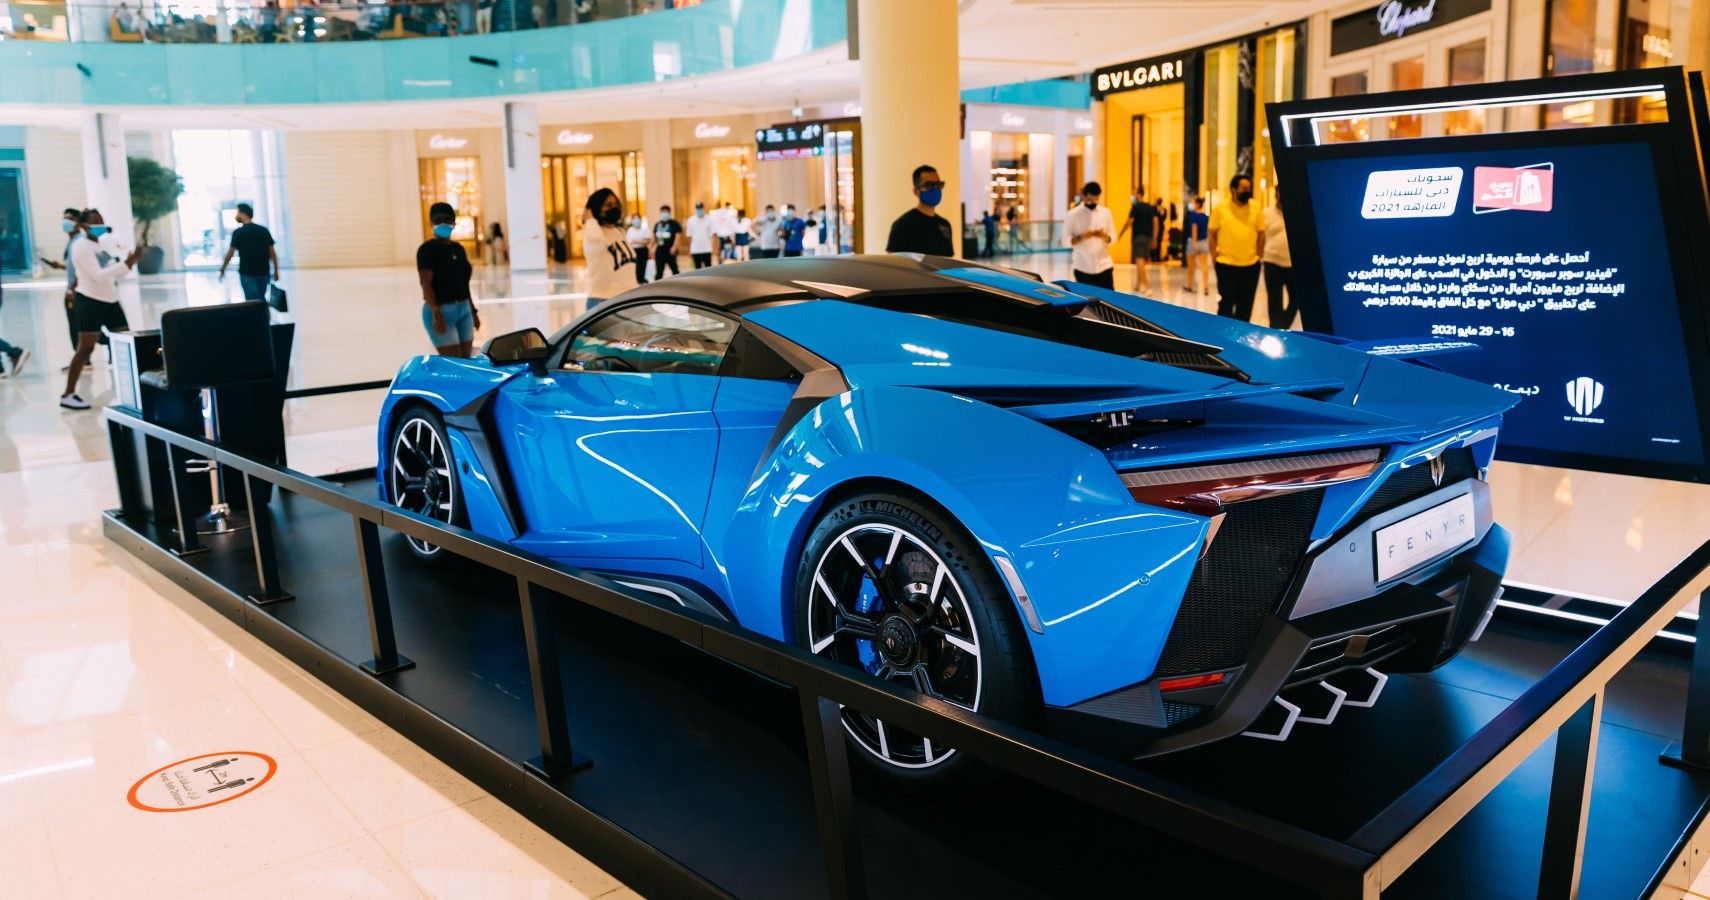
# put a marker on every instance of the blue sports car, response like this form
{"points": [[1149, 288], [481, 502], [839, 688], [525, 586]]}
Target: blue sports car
{"points": [[1133, 525]]}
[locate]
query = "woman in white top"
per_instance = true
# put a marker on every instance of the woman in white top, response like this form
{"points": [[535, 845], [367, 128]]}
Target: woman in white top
{"points": [[1279, 269], [744, 234], [95, 305], [640, 239], [605, 246]]}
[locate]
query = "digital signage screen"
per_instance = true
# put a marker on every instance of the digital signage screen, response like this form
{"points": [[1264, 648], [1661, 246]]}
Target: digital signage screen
{"points": [[1558, 255]]}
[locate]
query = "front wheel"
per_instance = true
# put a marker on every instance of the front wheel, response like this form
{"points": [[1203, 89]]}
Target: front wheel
{"points": [[420, 477], [893, 587]]}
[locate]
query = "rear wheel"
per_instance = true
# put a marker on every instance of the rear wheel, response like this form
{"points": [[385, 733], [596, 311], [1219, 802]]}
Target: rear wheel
{"points": [[420, 477], [893, 587]]}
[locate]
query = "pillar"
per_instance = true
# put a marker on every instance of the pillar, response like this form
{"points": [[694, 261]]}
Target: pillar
{"points": [[106, 175], [525, 206], [661, 170], [910, 109]]}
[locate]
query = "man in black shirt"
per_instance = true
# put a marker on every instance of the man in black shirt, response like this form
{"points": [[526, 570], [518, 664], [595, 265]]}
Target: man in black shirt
{"points": [[1143, 218], [922, 229], [665, 233], [253, 245]]}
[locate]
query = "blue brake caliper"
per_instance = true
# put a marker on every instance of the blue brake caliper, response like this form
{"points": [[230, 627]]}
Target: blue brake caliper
{"points": [[865, 603]]}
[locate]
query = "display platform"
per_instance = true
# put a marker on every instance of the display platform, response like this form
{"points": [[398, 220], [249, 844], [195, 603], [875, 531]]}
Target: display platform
{"points": [[706, 763]]}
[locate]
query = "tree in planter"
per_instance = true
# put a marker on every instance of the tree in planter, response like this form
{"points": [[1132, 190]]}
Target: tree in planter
{"points": [[154, 195]]}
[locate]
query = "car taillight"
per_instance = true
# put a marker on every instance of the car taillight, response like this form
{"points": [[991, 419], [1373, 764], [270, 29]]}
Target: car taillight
{"points": [[1205, 490]]}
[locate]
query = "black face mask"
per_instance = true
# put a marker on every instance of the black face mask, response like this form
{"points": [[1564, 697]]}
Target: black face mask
{"points": [[1243, 196], [611, 216]]}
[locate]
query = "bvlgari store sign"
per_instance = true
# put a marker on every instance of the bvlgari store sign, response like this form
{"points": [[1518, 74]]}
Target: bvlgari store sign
{"points": [[1142, 74], [1395, 19]]}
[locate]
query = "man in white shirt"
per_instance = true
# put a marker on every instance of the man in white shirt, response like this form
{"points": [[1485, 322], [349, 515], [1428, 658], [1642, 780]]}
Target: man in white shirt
{"points": [[1089, 227], [96, 302], [701, 231]]}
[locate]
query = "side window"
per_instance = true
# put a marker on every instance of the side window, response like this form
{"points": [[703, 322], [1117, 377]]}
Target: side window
{"points": [[749, 357], [652, 338]]}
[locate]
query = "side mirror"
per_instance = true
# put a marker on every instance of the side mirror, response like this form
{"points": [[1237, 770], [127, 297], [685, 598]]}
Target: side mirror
{"points": [[526, 346]]}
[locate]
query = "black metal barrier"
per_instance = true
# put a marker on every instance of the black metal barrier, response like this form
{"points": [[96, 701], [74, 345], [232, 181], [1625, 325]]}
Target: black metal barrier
{"points": [[1564, 703]]}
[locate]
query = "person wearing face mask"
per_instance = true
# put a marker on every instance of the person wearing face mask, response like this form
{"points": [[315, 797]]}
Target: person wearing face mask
{"points": [[72, 225], [611, 263], [744, 234], [922, 229], [1089, 227], [792, 232], [702, 240], [1142, 217], [640, 243], [448, 308], [96, 302], [665, 233], [1237, 242], [767, 234]]}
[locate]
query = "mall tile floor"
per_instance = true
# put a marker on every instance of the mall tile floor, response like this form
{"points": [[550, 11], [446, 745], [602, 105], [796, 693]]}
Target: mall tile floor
{"points": [[108, 671]]}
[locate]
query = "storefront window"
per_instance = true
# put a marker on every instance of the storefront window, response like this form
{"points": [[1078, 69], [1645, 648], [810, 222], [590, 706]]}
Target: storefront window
{"points": [[455, 180], [1273, 82], [1466, 66], [1342, 131], [716, 176], [1218, 146], [1603, 35], [1008, 179], [1407, 75], [566, 183]]}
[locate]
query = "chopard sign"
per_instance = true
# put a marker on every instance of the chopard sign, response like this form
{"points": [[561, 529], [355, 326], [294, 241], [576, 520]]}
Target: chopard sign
{"points": [[1395, 17], [1144, 73]]}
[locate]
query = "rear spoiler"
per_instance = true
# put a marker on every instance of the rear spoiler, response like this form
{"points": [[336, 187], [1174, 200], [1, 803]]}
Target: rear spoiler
{"points": [[1142, 403]]}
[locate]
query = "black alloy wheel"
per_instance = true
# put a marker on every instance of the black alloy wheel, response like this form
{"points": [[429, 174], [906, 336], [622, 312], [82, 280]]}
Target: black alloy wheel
{"points": [[420, 477]]}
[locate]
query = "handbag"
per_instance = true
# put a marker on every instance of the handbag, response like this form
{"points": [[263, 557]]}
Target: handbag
{"points": [[278, 299]]}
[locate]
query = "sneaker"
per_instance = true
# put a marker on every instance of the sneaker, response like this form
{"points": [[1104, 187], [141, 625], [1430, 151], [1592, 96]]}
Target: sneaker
{"points": [[72, 401], [18, 360]]}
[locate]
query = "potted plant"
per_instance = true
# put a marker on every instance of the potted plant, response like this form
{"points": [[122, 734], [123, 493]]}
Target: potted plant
{"points": [[154, 195]]}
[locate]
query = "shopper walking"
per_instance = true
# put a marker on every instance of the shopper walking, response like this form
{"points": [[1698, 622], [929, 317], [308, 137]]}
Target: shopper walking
{"points": [[1197, 247], [702, 238], [767, 234], [744, 234], [1088, 226], [665, 233], [611, 264], [1279, 269], [253, 245], [96, 303], [442, 266], [640, 239], [724, 228], [1237, 240], [71, 223], [1142, 217], [792, 232], [921, 229], [498, 250]]}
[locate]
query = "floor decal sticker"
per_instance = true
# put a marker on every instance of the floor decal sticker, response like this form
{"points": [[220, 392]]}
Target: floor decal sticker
{"points": [[202, 781]]}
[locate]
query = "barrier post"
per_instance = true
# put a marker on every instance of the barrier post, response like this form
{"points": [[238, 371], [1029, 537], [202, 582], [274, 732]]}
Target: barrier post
{"points": [[1692, 751], [177, 460], [261, 539], [833, 799], [556, 756], [1570, 800], [386, 657]]}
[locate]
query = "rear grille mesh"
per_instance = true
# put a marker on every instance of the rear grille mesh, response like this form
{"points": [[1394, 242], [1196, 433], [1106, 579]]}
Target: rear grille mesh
{"points": [[1239, 583], [1414, 482], [1116, 316]]}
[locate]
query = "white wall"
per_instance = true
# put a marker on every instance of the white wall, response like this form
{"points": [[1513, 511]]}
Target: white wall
{"points": [[53, 166], [341, 190]]}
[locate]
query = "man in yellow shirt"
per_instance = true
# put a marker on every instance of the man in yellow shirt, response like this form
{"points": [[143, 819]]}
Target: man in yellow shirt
{"points": [[1237, 241]]}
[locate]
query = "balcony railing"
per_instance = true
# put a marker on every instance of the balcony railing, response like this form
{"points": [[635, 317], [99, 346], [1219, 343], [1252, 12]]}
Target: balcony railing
{"points": [[302, 22]]}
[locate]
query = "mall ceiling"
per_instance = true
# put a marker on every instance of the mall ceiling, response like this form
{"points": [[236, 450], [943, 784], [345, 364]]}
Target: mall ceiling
{"points": [[1002, 41]]}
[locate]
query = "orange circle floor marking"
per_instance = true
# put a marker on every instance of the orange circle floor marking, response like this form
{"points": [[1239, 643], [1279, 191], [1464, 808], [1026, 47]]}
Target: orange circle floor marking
{"points": [[202, 781]]}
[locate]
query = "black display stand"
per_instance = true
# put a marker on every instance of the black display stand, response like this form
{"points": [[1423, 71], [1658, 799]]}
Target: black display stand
{"points": [[700, 776]]}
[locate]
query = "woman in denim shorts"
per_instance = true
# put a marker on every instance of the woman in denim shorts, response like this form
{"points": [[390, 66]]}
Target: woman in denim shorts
{"points": [[448, 310]]}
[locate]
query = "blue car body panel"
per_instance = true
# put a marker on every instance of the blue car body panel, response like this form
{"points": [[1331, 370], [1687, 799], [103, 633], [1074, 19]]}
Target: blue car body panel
{"points": [[702, 480]]}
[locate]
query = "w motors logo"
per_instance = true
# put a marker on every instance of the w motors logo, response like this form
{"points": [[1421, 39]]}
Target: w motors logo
{"points": [[1585, 395]]}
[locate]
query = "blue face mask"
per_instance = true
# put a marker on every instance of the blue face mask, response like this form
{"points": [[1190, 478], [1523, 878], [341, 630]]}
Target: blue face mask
{"points": [[932, 197], [443, 232], [96, 231], [67, 226]]}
